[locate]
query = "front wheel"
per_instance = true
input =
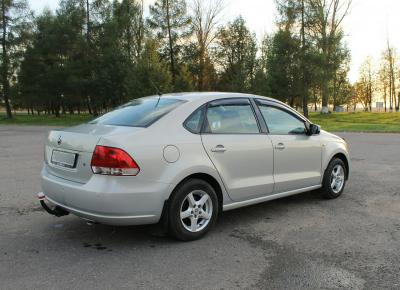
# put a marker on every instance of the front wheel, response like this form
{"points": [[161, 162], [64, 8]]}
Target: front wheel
{"points": [[193, 210], [334, 179]]}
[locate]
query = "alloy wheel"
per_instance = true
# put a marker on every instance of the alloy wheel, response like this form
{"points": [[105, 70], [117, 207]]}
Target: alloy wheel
{"points": [[337, 178], [196, 211]]}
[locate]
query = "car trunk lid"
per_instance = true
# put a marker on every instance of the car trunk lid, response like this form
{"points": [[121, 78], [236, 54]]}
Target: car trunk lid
{"points": [[68, 152]]}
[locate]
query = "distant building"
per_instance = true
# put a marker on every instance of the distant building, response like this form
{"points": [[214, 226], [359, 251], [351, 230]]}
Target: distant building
{"points": [[339, 109]]}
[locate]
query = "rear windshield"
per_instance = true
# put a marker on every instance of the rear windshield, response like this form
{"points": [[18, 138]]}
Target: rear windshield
{"points": [[139, 113]]}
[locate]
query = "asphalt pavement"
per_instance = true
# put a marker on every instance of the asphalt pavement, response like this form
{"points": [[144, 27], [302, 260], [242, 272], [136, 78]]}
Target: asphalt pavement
{"points": [[300, 242]]}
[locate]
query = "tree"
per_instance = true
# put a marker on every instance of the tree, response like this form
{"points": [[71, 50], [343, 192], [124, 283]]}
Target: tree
{"points": [[293, 20], [303, 67], [384, 78], [390, 57], [129, 17], [152, 75], [236, 50], [284, 67], [327, 17], [340, 82], [366, 84], [260, 83], [56, 53], [169, 19], [15, 26], [205, 20], [301, 24]]}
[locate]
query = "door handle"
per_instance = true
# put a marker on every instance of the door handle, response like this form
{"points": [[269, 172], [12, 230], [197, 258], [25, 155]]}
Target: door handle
{"points": [[280, 146], [218, 148]]}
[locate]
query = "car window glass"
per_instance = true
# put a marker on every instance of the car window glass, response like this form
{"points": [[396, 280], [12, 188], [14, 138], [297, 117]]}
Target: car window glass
{"points": [[139, 113], [194, 122], [232, 119], [280, 122]]}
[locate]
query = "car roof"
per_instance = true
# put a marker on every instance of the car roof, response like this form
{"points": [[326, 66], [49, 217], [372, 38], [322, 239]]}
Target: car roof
{"points": [[207, 96], [191, 96]]}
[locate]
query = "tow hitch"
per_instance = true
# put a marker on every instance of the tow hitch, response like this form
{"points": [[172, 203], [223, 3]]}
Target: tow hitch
{"points": [[57, 211]]}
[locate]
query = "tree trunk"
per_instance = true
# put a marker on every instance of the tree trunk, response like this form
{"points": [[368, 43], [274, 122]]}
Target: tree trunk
{"points": [[398, 101], [57, 110], [392, 97], [384, 94], [171, 51], [334, 92], [325, 92], [88, 105], [304, 89], [5, 81], [128, 34], [291, 101], [325, 95], [201, 68], [139, 40], [92, 106]]}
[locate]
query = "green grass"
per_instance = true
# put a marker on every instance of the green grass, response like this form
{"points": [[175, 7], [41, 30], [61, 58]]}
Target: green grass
{"points": [[335, 122], [45, 120], [358, 122]]}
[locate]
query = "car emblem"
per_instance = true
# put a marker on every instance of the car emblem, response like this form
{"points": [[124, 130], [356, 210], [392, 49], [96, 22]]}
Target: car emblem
{"points": [[59, 141]]}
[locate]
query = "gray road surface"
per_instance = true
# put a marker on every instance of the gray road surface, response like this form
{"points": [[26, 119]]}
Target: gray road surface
{"points": [[300, 242]]}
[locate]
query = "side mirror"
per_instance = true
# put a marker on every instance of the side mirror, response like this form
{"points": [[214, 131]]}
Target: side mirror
{"points": [[313, 129]]}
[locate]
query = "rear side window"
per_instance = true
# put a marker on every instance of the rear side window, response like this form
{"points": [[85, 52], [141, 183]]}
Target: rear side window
{"points": [[195, 121], [139, 113], [231, 119]]}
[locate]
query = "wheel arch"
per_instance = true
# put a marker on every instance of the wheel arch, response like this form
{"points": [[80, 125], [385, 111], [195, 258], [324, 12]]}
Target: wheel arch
{"points": [[210, 180]]}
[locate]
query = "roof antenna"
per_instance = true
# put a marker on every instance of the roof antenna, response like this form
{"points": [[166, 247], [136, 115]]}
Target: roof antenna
{"points": [[159, 93]]}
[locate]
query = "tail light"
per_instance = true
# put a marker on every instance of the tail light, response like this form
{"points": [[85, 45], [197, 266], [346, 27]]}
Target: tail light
{"points": [[113, 161]]}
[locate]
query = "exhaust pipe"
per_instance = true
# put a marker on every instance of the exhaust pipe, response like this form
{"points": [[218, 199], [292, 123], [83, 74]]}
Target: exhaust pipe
{"points": [[57, 211]]}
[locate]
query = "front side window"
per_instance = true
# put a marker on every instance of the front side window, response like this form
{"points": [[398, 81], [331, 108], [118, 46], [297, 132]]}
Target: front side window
{"points": [[139, 113], [280, 122], [231, 118]]}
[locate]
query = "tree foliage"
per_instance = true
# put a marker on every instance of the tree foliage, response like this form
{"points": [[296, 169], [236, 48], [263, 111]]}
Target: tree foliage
{"points": [[235, 52], [92, 55]]}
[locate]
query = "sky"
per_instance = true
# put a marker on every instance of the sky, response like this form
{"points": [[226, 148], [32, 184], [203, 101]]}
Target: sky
{"points": [[367, 28]]}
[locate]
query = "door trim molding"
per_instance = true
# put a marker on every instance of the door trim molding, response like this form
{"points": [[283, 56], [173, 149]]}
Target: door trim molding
{"points": [[248, 202]]}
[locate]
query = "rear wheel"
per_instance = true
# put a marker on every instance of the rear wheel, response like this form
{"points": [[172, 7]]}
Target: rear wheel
{"points": [[334, 179], [193, 210]]}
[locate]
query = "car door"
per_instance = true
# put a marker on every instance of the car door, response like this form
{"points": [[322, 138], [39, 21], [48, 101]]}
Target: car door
{"points": [[242, 155], [297, 156]]}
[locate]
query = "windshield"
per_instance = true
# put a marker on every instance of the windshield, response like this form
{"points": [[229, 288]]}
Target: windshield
{"points": [[139, 113]]}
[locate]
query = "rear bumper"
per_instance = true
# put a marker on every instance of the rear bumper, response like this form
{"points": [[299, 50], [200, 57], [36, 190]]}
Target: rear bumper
{"points": [[109, 200]]}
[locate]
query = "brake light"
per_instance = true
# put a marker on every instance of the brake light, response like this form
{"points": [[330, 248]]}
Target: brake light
{"points": [[113, 161]]}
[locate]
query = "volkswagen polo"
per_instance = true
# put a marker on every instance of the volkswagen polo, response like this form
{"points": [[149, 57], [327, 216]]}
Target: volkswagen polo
{"points": [[184, 158]]}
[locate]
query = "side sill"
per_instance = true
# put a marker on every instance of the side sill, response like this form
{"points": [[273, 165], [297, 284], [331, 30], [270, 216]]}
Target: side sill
{"points": [[267, 198]]}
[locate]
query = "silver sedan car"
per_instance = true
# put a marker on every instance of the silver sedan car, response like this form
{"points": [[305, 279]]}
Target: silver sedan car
{"points": [[184, 158]]}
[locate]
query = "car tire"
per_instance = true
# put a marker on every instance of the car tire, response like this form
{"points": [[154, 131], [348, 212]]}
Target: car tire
{"points": [[334, 180], [193, 210]]}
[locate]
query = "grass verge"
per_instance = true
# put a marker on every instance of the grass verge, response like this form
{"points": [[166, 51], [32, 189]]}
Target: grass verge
{"points": [[45, 120], [335, 122], [358, 122]]}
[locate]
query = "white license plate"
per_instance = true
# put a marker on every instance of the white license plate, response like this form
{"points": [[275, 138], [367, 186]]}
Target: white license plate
{"points": [[64, 159]]}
